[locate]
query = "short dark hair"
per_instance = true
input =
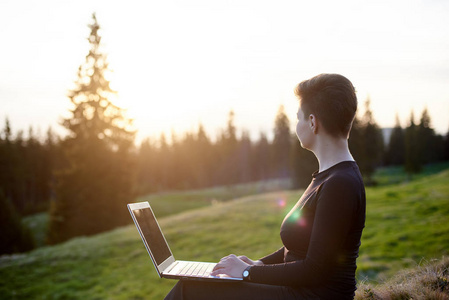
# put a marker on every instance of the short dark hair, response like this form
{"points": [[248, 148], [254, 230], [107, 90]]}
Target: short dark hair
{"points": [[332, 98]]}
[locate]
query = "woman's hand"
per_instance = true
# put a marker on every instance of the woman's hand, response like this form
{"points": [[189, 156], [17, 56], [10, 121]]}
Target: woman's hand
{"points": [[250, 261], [231, 266]]}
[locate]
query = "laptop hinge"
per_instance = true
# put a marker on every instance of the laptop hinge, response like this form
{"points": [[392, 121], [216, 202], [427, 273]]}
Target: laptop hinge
{"points": [[167, 270]]}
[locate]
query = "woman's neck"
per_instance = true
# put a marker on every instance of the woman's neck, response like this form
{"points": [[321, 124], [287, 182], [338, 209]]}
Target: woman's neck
{"points": [[330, 151]]}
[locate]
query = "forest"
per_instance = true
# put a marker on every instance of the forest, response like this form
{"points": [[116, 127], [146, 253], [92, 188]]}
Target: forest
{"points": [[98, 166]]}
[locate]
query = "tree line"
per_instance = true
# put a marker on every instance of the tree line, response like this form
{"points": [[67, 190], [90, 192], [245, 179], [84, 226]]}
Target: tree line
{"points": [[85, 178], [31, 179]]}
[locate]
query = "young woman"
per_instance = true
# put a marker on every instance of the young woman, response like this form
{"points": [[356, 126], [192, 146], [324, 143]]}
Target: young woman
{"points": [[321, 234]]}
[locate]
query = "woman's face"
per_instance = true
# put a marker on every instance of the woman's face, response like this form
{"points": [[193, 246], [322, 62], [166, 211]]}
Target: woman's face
{"points": [[304, 132]]}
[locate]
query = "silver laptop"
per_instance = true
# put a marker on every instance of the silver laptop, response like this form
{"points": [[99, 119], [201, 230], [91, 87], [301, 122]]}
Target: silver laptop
{"points": [[165, 263]]}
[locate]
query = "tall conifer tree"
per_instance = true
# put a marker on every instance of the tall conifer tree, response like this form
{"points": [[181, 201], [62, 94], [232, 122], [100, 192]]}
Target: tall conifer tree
{"points": [[356, 140], [396, 145], [413, 162], [366, 143], [204, 156], [281, 144], [430, 146], [96, 183], [227, 147], [261, 158]]}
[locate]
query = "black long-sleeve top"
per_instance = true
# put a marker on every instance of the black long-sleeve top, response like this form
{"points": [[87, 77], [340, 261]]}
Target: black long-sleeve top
{"points": [[321, 236]]}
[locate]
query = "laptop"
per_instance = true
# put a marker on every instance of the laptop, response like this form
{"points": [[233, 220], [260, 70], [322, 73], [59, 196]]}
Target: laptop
{"points": [[165, 263]]}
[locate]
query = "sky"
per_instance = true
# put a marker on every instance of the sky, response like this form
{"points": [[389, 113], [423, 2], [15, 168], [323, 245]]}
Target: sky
{"points": [[179, 63]]}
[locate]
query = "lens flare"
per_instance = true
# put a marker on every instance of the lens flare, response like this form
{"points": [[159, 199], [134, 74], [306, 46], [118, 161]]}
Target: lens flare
{"points": [[295, 217], [281, 202], [302, 222]]}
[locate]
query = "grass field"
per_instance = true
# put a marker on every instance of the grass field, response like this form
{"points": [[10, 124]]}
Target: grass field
{"points": [[406, 224]]}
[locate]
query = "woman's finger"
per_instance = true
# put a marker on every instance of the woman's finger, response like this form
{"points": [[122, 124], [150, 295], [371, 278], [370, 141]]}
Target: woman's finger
{"points": [[220, 266], [218, 270], [245, 259]]}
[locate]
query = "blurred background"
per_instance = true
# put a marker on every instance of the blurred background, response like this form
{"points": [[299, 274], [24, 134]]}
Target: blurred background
{"points": [[190, 104]]}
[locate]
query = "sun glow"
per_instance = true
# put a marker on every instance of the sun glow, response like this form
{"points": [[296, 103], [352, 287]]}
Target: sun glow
{"points": [[180, 76], [154, 110]]}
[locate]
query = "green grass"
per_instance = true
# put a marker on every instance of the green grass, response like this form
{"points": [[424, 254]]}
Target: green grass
{"points": [[406, 223], [115, 265], [172, 202]]}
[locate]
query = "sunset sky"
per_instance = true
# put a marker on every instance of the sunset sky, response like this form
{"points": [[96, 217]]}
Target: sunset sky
{"points": [[178, 63]]}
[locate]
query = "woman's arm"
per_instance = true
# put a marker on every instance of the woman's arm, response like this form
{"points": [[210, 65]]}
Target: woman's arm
{"points": [[276, 257], [250, 261]]}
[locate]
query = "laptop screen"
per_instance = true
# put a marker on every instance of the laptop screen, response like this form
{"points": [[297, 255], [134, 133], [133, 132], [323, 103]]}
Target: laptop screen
{"points": [[152, 234]]}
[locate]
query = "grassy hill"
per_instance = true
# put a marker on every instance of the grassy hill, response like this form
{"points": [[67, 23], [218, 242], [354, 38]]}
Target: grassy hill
{"points": [[406, 224]]}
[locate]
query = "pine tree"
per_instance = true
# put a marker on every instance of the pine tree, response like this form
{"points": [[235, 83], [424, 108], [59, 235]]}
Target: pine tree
{"points": [[96, 183], [7, 161], [430, 144], [146, 163], [356, 140], [52, 161], [413, 162], [282, 144], [227, 143], [372, 147], [165, 164], [396, 146], [243, 159], [13, 168], [23, 171], [260, 163], [204, 157], [33, 158], [304, 164]]}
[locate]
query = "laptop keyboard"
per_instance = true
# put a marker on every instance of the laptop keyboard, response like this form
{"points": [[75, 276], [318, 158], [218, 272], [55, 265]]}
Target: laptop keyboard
{"points": [[196, 269]]}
